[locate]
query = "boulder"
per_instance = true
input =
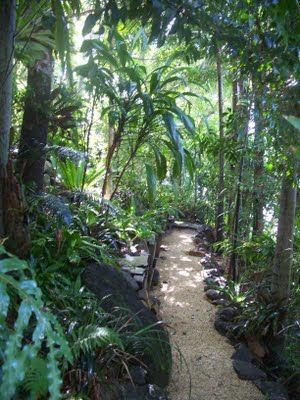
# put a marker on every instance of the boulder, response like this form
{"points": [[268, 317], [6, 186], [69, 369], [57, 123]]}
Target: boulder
{"points": [[155, 278], [227, 313], [143, 294], [274, 390], [138, 375], [248, 371], [116, 295], [212, 281], [210, 264], [146, 392], [213, 294], [206, 233], [242, 353], [220, 302], [223, 327], [133, 284], [212, 272]]}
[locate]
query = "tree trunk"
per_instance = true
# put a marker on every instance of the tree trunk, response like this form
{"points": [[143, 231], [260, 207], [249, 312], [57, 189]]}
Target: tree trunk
{"points": [[243, 138], [284, 244], [34, 132], [7, 29], [220, 201], [258, 171], [107, 187], [231, 194]]}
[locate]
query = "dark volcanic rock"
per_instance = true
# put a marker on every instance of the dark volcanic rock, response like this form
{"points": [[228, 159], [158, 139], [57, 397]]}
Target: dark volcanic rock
{"points": [[248, 371], [227, 313], [138, 375], [130, 392], [212, 272], [115, 293], [212, 281], [213, 294], [220, 302], [147, 392], [155, 278], [143, 294], [223, 327], [205, 233], [130, 280], [274, 390], [242, 353], [210, 264], [155, 393]]}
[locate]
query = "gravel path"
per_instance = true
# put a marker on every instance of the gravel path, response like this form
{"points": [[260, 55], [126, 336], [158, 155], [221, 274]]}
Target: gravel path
{"points": [[206, 373]]}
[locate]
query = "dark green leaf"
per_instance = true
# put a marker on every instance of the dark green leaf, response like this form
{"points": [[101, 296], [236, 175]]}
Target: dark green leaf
{"points": [[89, 23], [151, 182]]}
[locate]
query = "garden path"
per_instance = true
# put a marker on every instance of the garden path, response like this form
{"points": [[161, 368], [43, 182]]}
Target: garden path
{"points": [[202, 367]]}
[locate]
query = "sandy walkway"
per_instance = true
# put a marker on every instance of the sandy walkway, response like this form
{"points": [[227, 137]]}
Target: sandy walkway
{"points": [[190, 317]]}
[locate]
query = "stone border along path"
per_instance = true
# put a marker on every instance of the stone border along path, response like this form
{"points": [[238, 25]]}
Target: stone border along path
{"points": [[206, 373]]}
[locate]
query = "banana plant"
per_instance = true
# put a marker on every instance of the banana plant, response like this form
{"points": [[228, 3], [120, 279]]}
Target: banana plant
{"points": [[142, 108]]}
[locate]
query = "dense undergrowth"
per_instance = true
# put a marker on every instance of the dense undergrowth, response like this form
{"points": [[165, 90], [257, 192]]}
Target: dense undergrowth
{"points": [[271, 329], [79, 346]]}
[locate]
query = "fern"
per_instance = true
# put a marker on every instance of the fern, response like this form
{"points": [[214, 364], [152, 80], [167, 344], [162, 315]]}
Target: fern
{"points": [[36, 378], [55, 206], [19, 347], [63, 153], [91, 337]]}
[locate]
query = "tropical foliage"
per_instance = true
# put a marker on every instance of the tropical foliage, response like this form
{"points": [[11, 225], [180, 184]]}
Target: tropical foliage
{"points": [[116, 118]]}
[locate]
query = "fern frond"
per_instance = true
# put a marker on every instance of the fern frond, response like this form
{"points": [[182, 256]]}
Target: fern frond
{"points": [[57, 207], [63, 153], [36, 380], [19, 349], [91, 337]]}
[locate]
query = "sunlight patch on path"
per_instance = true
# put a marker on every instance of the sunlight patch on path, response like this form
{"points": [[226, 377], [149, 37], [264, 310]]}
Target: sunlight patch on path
{"points": [[190, 318]]}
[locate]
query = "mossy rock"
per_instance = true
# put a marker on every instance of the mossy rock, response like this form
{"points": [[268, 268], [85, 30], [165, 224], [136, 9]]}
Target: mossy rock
{"points": [[115, 293]]}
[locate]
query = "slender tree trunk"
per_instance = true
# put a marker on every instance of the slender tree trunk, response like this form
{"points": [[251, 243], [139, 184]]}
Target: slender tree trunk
{"points": [[233, 265], [114, 141], [34, 132], [87, 140], [7, 29], [220, 201], [284, 244], [107, 188], [231, 194], [258, 171]]}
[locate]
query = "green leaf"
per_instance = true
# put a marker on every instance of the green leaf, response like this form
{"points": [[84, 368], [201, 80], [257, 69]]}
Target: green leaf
{"points": [[295, 121], [12, 264], [4, 303], [161, 165], [151, 182], [60, 33], [147, 103], [154, 81], [103, 52], [185, 119], [89, 23], [189, 162], [173, 134]]}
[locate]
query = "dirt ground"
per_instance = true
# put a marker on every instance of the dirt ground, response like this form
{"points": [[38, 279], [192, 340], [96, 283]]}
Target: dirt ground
{"points": [[202, 366]]}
